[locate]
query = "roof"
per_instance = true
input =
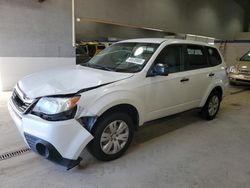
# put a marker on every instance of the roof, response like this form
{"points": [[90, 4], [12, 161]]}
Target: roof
{"points": [[170, 41], [146, 40]]}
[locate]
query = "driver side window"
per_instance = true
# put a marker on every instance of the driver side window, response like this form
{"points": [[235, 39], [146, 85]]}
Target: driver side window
{"points": [[170, 56]]}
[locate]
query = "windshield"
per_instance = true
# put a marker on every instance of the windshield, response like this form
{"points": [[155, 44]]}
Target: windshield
{"points": [[123, 57], [246, 57]]}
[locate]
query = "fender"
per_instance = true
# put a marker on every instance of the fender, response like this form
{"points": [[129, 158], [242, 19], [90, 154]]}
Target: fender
{"points": [[113, 98]]}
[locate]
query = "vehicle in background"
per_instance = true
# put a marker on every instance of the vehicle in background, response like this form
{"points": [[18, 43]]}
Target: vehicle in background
{"points": [[86, 50], [81, 55], [240, 72]]}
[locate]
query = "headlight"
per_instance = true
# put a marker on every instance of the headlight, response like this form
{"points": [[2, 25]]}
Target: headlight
{"points": [[233, 69], [50, 105]]}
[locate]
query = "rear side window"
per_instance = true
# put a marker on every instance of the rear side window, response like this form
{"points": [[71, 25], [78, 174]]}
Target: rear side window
{"points": [[195, 57], [213, 56]]}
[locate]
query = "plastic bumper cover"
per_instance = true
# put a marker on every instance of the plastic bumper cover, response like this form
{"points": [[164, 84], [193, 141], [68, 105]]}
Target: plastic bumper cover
{"points": [[66, 138]]}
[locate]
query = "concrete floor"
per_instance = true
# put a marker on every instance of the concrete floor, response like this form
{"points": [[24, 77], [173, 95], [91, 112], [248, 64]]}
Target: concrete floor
{"points": [[182, 151]]}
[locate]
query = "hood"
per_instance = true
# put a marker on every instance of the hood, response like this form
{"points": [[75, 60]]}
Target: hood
{"points": [[67, 80], [243, 65]]}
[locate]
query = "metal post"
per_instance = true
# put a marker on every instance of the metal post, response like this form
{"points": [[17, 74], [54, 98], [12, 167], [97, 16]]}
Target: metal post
{"points": [[73, 24]]}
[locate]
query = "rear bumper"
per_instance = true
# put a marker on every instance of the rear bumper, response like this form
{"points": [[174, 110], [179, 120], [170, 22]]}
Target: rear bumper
{"points": [[58, 141], [240, 79]]}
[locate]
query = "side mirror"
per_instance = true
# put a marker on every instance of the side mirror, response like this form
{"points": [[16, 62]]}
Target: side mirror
{"points": [[160, 70]]}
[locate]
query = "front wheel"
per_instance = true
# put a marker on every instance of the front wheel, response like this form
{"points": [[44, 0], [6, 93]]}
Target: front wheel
{"points": [[112, 136], [212, 106]]}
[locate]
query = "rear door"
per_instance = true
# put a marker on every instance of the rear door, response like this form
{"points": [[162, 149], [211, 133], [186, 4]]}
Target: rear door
{"points": [[199, 73]]}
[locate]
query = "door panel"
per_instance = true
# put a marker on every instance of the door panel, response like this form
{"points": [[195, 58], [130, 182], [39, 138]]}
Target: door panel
{"points": [[197, 68], [165, 95], [199, 81]]}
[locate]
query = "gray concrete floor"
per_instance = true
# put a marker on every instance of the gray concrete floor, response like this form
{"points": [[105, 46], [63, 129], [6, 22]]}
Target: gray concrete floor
{"points": [[182, 151]]}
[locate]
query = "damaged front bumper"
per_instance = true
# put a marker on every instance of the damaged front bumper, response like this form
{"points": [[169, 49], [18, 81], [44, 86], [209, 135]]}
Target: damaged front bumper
{"points": [[59, 141]]}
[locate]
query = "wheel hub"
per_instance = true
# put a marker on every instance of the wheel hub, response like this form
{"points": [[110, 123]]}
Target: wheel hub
{"points": [[114, 137], [213, 105]]}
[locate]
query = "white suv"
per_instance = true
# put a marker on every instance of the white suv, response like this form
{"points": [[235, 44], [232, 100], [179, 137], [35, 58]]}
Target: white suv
{"points": [[99, 104]]}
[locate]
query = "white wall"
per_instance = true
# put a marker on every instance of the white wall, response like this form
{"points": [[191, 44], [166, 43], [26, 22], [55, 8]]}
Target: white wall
{"points": [[32, 29], [237, 48], [13, 69], [33, 36], [234, 51]]}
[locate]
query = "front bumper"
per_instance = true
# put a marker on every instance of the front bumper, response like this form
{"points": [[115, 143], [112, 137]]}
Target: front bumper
{"points": [[239, 78], [58, 141]]}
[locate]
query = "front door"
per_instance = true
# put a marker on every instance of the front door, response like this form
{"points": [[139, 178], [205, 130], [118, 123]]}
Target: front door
{"points": [[165, 95]]}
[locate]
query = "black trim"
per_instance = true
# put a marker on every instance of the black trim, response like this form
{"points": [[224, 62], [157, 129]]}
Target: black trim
{"points": [[88, 122], [50, 151], [76, 93], [84, 90], [69, 114], [232, 41], [95, 87], [81, 90], [243, 81], [184, 80]]}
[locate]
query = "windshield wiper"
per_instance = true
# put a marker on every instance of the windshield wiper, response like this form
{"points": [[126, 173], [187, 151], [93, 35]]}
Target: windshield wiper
{"points": [[102, 67], [97, 66]]}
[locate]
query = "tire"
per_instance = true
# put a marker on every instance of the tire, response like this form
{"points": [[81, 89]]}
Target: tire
{"points": [[113, 134], [212, 106]]}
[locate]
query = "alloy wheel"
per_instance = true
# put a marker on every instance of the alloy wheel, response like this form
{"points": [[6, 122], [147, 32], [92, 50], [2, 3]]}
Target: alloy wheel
{"points": [[213, 105], [114, 137]]}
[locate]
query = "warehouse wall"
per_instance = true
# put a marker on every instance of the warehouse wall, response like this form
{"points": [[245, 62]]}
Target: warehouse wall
{"points": [[237, 48], [220, 19], [88, 30], [33, 36]]}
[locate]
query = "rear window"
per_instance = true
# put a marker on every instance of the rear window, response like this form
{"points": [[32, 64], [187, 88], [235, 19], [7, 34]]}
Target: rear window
{"points": [[195, 57], [213, 56]]}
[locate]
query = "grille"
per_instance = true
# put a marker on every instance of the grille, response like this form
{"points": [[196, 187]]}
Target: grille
{"points": [[244, 72], [246, 81], [20, 104]]}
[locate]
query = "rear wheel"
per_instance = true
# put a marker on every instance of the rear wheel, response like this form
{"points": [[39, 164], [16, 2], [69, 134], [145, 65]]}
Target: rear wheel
{"points": [[113, 134], [212, 106]]}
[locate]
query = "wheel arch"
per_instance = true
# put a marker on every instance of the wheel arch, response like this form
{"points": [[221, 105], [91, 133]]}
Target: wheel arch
{"points": [[218, 88], [125, 108]]}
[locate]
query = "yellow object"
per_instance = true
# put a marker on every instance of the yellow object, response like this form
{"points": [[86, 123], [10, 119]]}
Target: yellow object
{"points": [[92, 48]]}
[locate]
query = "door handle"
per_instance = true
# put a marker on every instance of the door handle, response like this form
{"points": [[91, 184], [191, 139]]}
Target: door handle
{"points": [[211, 74], [184, 80]]}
